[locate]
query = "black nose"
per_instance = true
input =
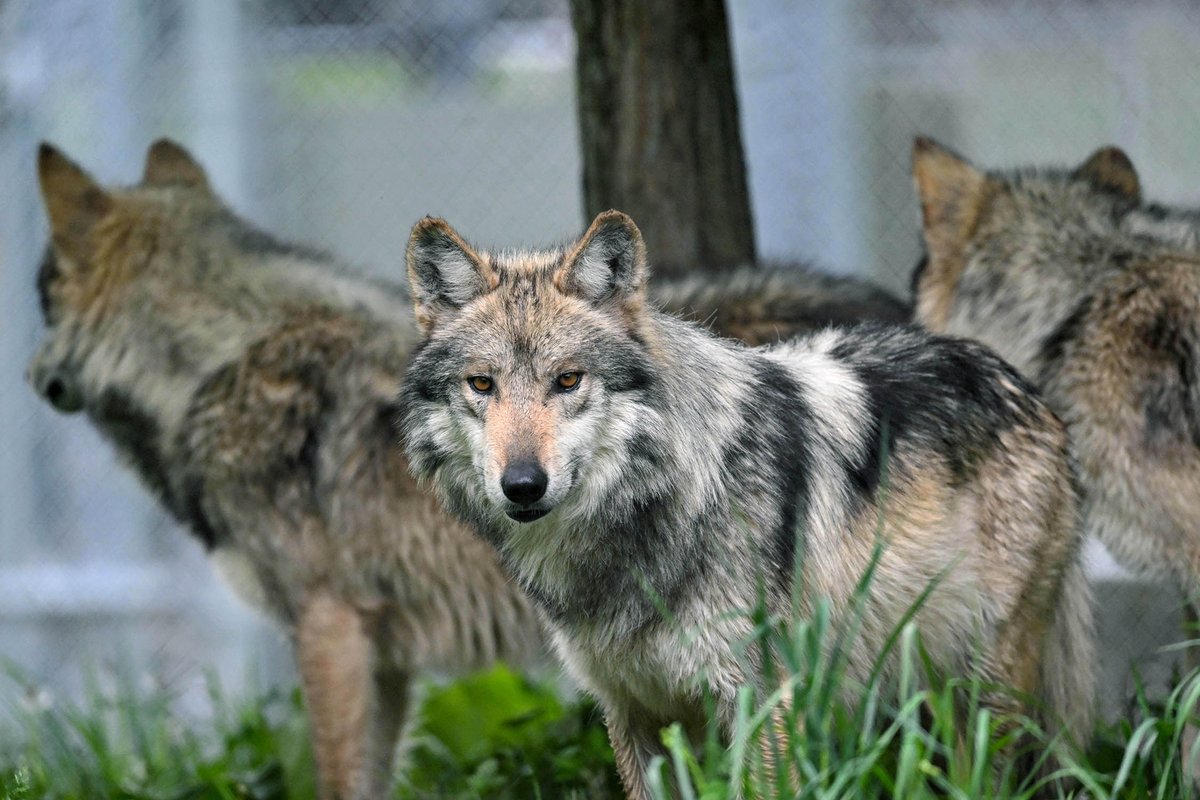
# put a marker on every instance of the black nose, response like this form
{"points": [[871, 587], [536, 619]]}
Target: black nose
{"points": [[524, 482], [55, 389]]}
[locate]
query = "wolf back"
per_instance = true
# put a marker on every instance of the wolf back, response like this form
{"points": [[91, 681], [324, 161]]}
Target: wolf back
{"points": [[771, 303]]}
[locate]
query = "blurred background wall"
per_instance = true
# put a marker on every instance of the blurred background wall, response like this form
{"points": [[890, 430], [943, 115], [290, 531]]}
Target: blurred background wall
{"points": [[340, 122]]}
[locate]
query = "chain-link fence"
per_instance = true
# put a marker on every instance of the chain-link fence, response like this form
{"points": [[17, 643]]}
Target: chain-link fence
{"points": [[340, 122]]}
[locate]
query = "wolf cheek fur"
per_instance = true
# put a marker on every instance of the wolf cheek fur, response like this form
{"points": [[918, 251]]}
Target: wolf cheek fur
{"points": [[680, 469]]}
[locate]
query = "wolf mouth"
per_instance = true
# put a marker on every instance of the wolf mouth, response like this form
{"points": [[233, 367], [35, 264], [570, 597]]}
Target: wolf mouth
{"points": [[528, 514]]}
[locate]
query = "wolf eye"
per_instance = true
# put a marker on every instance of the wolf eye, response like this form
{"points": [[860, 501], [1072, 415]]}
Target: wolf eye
{"points": [[568, 381], [481, 383]]}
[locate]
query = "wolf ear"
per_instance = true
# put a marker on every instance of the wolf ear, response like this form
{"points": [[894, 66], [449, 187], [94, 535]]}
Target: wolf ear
{"points": [[1110, 169], [950, 190], [168, 162], [608, 261], [952, 193], [444, 273], [74, 202]]}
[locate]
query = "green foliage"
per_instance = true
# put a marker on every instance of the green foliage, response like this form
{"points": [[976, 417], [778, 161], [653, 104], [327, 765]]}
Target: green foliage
{"points": [[490, 735], [126, 743], [494, 735]]}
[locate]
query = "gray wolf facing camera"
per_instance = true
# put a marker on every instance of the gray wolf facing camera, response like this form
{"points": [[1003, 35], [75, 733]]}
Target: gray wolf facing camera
{"points": [[619, 458]]}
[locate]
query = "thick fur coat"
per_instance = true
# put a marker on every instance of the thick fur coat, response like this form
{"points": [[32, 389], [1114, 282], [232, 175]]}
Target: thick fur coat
{"points": [[251, 384], [1097, 300], [625, 463]]}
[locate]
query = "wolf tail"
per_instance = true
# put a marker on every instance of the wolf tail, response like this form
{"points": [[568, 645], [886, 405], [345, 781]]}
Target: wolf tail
{"points": [[1068, 660]]}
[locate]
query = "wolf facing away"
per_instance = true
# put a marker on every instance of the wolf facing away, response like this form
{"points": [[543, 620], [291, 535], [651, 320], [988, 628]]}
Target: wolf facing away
{"points": [[1097, 300], [252, 386], [619, 458]]}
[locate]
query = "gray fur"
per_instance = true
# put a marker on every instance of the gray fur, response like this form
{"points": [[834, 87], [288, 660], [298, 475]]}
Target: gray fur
{"points": [[251, 384], [770, 303], [1097, 299], [687, 470]]}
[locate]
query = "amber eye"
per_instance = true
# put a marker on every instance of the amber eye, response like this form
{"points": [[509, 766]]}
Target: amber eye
{"points": [[480, 383], [568, 380]]}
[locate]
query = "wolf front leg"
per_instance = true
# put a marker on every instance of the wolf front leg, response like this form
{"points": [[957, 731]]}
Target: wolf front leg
{"points": [[356, 710]]}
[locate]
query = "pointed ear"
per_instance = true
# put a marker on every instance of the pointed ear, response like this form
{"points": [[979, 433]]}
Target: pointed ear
{"points": [[168, 162], [444, 273], [953, 194], [608, 261], [74, 202], [950, 190], [1111, 170]]}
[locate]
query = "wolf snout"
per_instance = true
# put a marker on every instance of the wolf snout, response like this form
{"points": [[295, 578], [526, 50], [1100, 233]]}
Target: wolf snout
{"points": [[57, 390], [524, 482]]}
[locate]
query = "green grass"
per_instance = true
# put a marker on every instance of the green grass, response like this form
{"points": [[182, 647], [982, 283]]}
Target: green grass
{"points": [[490, 735], [498, 735]]}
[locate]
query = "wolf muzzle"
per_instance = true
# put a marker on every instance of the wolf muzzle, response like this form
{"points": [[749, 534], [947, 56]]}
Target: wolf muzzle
{"points": [[58, 390]]}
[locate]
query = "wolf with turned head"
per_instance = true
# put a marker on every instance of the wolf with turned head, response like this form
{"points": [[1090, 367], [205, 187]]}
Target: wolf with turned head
{"points": [[625, 463], [251, 385]]}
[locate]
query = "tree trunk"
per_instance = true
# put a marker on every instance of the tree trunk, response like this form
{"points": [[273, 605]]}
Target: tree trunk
{"points": [[658, 120]]}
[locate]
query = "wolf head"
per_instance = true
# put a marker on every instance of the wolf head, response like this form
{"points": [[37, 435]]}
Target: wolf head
{"points": [[530, 374], [112, 286], [976, 220]]}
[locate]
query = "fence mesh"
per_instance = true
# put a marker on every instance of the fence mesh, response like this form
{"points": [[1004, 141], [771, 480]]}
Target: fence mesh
{"points": [[340, 122]]}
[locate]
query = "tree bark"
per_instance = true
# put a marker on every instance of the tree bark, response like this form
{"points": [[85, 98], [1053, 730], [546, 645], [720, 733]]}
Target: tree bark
{"points": [[658, 121]]}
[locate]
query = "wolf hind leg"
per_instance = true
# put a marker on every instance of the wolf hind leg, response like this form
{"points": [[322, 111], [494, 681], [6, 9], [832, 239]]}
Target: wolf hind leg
{"points": [[1068, 687]]}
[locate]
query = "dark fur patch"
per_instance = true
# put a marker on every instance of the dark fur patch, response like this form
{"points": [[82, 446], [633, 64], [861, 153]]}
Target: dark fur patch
{"points": [[191, 511], [644, 448], [916, 385], [624, 368], [1053, 347], [48, 272], [1172, 403], [136, 433], [428, 377], [137, 436], [771, 459]]}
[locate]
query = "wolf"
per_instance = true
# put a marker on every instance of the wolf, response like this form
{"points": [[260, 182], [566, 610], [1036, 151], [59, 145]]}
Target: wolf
{"points": [[251, 384], [248, 382], [640, 476], [770, 303], [1096, 298]]}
